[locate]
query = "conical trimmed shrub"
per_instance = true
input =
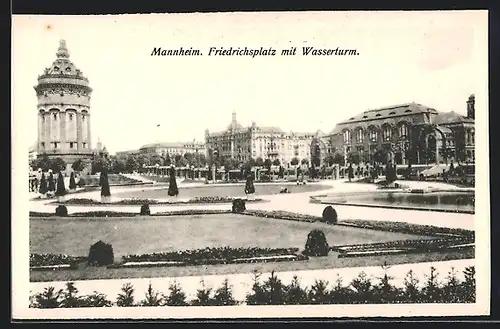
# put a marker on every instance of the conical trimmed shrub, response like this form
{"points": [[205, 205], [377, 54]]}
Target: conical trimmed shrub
{"points": [[43, 185], [100, 254], [105, 192], [51, 186], [61, 188], [316, 244], [172, 186], [72, 183], [249, 187], [329, 215]]}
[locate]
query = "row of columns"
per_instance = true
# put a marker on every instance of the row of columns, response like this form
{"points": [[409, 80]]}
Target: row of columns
{"points": [[56, 127]]}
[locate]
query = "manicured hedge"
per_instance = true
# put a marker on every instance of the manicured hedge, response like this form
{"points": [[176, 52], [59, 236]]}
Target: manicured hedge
{"points": [[238, 206], [316, 244], [329, 215], [145, 211], [61, 211]]}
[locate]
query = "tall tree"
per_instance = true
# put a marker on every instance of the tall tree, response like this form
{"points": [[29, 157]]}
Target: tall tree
{"points": [[78, 165], [172, 186], [338, 159], [259, 162], [267, 164]]}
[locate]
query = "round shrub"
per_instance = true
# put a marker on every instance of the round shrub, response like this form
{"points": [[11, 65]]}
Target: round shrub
{"points": [[238, 205], [329, 215], [61, 211], [145, 211], [316, 244], [100, 254]]}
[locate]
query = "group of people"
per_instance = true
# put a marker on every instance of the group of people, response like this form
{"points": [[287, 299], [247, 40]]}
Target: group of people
{"points": [[33, 184]]}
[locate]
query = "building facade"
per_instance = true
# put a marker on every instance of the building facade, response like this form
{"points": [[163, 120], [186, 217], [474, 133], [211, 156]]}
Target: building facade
{"points": [[179, 148], [64, 110], [406, 133], [245, 143]]}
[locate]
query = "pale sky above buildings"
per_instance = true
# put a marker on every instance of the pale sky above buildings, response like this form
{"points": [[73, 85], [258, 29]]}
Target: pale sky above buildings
{"points": [[436, 59]]}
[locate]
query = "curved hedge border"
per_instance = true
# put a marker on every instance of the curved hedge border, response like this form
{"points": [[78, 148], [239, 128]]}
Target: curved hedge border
{"points": [[281, 214], [138, 201], [107, 213]]}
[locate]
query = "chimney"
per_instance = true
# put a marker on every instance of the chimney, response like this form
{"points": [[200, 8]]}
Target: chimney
{"points": [[471, 110]]}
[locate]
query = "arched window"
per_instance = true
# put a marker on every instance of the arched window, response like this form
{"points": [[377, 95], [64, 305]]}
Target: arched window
{"points": [[55, 116], [403, 130], [347, 136], [359, 136], [387, 131], [373, 135], [473, 137]]}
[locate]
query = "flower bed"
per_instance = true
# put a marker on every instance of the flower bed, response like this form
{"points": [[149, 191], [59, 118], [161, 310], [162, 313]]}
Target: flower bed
{"points": [[262, 259], [139, 201], [104, 214], [280, 214], [403, 244], [53, 260], [51, 267], [210, 254], [383, 252], [402, 227], [193, 212], [130, 214]]}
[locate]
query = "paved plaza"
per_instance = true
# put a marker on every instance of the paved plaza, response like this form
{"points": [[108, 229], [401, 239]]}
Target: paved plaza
{"points": [[296, 202]]}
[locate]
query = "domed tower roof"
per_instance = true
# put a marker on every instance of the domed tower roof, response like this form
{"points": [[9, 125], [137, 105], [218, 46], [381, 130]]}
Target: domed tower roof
{"points": [[63, 71]]}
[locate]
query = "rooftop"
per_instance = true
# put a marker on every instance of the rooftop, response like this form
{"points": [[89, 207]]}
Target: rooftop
{"points": [[172, 145], [451, 118], [390, 111], [62, 69]]}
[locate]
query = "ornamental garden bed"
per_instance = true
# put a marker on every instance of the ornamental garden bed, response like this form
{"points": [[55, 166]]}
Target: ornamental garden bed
{"points": [[49, 261], [206, 256], [220, 253], [281, 214], [348, 238], [139, 201], [34, 214]]}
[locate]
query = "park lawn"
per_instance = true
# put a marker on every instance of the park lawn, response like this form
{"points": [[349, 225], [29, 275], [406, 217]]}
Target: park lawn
{"points": [[228, 191], [143, 235], [314, 263]]}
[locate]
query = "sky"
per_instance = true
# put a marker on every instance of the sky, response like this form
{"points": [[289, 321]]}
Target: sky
{"points": [[436, 59]]}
